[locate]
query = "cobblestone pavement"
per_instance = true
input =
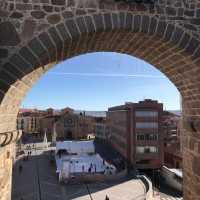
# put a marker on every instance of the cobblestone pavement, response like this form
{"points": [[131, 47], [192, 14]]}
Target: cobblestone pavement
{"points": [[38, 181]]}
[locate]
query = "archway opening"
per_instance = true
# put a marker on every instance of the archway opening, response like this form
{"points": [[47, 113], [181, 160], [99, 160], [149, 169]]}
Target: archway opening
{"points": [[118, 77], [165, 45]]}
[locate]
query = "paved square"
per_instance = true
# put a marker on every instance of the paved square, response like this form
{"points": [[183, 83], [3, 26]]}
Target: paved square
{"points": [[38, 181]]}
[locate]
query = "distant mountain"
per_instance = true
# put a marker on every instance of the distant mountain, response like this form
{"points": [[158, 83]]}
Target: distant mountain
{"points": [[92, 113], [176, 112]]}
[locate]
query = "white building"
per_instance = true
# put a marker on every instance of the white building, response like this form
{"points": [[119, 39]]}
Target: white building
{"points": [[78, 158]]}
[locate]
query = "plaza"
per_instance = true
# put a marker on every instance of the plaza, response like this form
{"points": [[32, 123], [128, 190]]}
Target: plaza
{"points": [[38, 181]]}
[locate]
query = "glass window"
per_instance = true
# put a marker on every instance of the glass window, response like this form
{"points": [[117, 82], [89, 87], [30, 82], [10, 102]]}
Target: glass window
{"points": [[146, 149], [146, 113], [147, 125], [147, 136]]}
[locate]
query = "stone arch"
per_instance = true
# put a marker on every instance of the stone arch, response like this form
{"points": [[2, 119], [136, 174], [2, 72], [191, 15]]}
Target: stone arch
{"points": [[165, 45]]}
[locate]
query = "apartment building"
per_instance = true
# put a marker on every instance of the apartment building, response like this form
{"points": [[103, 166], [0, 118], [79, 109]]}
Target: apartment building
{"points": [[136, 132], [172, 148], [101, 129], [28, 121]]}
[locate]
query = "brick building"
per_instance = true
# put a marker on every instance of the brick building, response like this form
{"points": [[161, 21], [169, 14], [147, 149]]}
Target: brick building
{"points": [[101, 128], [172, 147], [136, 132]]}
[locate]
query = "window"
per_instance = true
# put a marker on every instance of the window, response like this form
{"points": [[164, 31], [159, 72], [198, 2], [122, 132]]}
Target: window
{"points": [[147, 136], [146, 149], [146, 113], [145, 125]]}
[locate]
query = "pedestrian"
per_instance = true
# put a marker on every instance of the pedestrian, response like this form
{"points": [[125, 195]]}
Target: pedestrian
{"points": [[95, 168], [83, 168], [107, 198], [20, 169]]}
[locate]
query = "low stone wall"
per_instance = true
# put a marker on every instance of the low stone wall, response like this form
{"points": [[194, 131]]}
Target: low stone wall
{"points": [[99, 177]]}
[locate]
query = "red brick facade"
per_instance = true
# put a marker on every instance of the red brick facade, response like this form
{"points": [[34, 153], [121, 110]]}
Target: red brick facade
{"points": [[136, 132]]}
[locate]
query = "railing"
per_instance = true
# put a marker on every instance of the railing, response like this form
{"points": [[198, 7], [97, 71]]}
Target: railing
{"points": [[148, 186]]}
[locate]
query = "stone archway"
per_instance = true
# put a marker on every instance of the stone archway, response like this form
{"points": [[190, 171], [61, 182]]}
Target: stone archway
{"points": [[78, 28]]}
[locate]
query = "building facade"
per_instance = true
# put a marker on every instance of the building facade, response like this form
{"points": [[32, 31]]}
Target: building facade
{"points": [[172, 147], [28, 121], [136, 132], [67, 125], [101, 129]]}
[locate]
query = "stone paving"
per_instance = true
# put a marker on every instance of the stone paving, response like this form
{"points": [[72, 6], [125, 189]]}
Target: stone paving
{"points": [[38, 171]]}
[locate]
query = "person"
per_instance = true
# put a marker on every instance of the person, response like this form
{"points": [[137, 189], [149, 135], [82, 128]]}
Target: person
{"points": [[20, 169], [82, 168], [95, 168], [107, 198]]}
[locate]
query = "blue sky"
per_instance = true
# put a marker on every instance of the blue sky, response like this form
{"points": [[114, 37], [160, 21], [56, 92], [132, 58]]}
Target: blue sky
{"points": [[96, 81]]}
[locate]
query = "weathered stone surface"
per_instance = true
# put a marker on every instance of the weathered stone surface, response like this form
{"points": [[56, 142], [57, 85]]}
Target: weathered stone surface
{"points": [[4, 13], [53, 19], [38, 14], [161, 28], [145, 24], [13, 70], [58, 41], [195, 21], [196, 165], [89, 24], [29, 57], [36, 46], [170, 11], [82, 25], [4, 86], [58, 2], [8, 34], [3, 53], [46, 41], [136, 23], [28, 29], [7, 78], [21, 6], [107, 21], [98, 19], [80, 12], [48, 8], [20, 63], [152, 26], [67, 14], [70, 24], [16, 15]]}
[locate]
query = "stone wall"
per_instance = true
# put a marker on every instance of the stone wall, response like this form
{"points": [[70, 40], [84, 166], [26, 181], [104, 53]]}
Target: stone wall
{"points": [[7, 155], [37, 34]]}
